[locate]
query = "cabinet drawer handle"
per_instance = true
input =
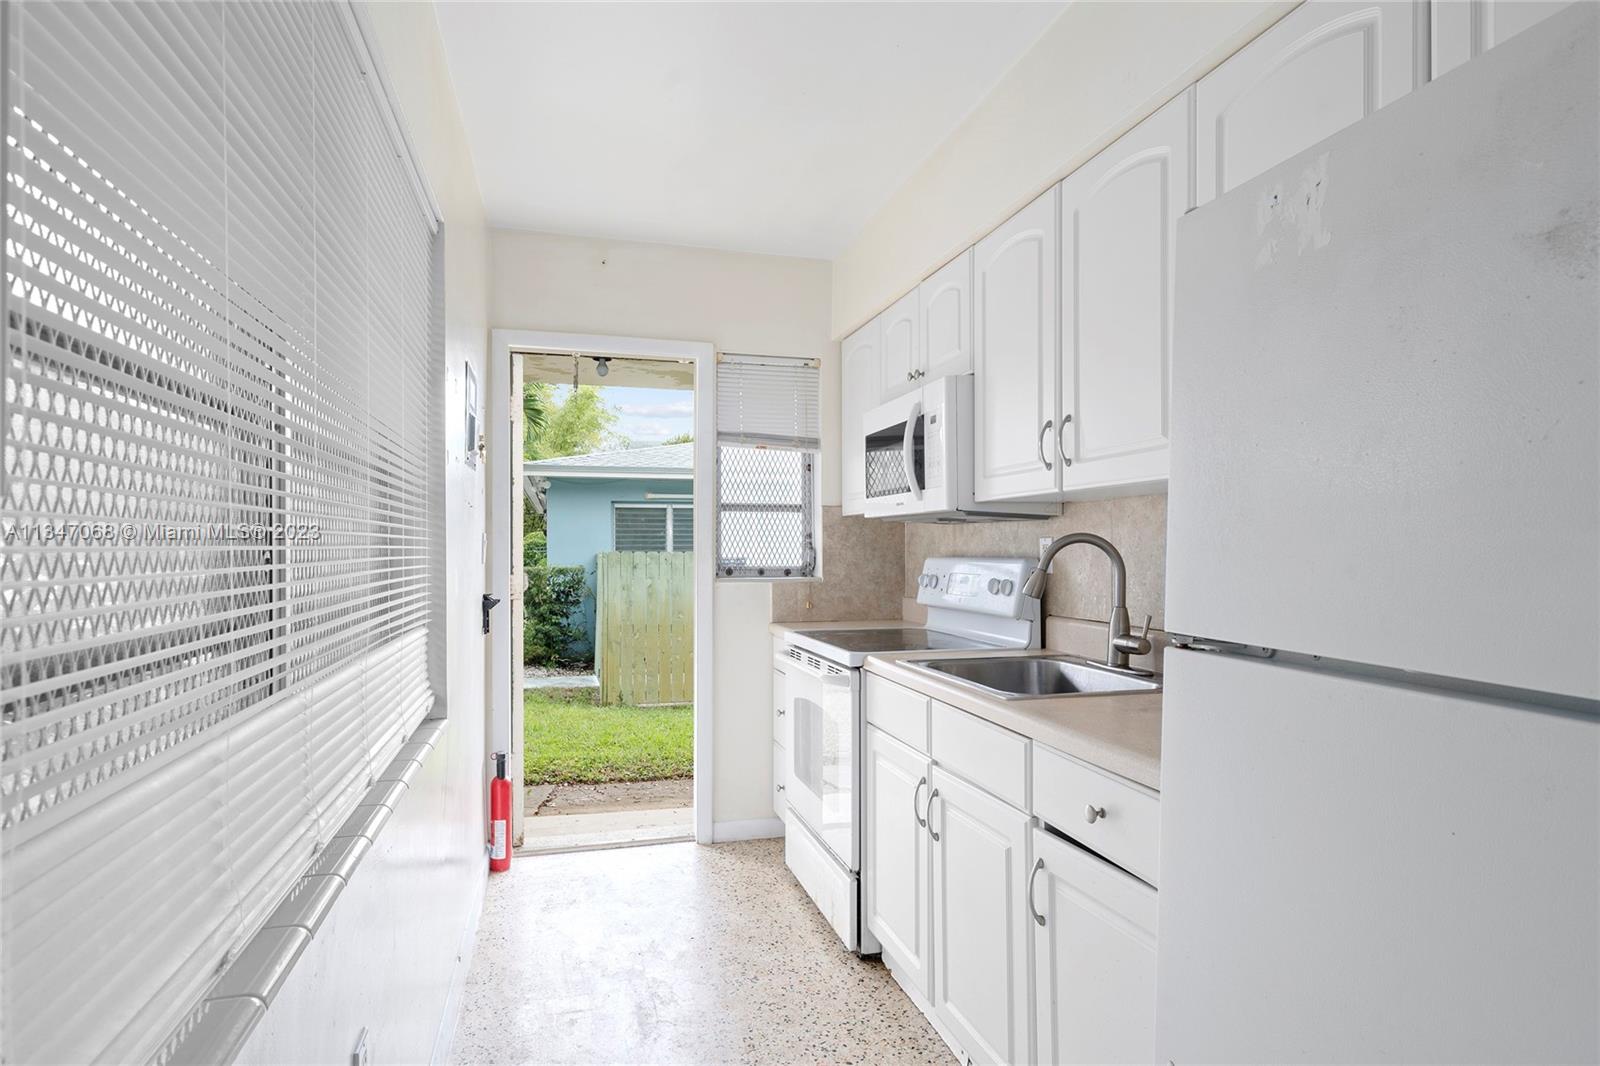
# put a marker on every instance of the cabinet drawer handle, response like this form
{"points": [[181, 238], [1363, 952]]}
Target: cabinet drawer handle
{"points": [[921, 783], [1033, 911], [1093, 814], [1043, 433], [931, 831]]}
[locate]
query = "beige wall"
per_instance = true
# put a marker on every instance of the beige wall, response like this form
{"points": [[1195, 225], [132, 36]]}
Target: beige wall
{"points": [[770, 305], [1098, 70], [392, 955]]}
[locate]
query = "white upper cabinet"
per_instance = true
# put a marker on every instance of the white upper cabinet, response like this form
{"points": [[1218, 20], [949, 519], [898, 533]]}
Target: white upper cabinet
{"points": [[1324, 66], [1119, 224], [944, 302], [1094, 957], [1465, 29], [860, 381], [901, 348], [1015, 354]]}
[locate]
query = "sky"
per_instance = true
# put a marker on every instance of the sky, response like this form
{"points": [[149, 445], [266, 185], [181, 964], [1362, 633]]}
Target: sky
{"points": [[645, 416]]}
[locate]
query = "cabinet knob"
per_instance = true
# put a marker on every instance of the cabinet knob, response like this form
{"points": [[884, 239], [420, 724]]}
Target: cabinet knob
{"points": [[1093, 814], [780, 712]]}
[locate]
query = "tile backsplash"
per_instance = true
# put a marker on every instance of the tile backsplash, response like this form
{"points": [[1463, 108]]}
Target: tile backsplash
{"points": [[870, 565], [863, 566], [1080, 580]]}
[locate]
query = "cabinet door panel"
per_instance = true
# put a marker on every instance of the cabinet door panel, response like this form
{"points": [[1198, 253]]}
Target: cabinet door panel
{"points": [[780, 710], [1327, 64], [1094, 957], [1119, 219], [1465, 29], [898, 898], [981, 973], [900, 348], [860, 358], [945, 304], [1015, 353]]}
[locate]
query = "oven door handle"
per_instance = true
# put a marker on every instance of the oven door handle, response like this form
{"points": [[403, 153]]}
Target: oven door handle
{"points": [[906, 450]]}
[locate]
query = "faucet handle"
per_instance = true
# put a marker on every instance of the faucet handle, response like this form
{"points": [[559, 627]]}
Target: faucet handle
{"points": [[1135, 645]]}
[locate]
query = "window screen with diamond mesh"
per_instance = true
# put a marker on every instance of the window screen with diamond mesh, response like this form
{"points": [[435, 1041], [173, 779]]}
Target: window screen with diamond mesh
{"points": [[221, 446], [768, 434]]}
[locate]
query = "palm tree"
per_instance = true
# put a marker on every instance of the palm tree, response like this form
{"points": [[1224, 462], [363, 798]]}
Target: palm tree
{"points": [[535, 414]]}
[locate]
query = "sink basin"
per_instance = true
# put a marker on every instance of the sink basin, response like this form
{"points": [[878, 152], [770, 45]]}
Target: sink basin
{"points": [[1035, 677]]}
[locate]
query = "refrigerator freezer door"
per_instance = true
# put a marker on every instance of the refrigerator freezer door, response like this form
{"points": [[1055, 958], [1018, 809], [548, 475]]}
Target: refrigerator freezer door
{"points": [[1385, 384], [1359, 873]]}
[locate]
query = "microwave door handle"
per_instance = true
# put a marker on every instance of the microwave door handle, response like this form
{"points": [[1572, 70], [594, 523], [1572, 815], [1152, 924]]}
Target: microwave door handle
{"points": [[907, 447]]}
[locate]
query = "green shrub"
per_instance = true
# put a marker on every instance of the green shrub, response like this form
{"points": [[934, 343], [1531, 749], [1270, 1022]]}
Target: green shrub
{"points": [[551, 631], [535, 552]]}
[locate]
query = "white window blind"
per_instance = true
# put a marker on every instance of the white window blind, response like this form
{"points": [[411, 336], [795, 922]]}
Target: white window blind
{"points": [[768, 439], [652, 527], [221, 454]]}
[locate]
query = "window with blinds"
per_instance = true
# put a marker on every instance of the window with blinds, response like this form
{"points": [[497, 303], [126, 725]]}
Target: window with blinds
{"points": [[652, 527], [768, 440], [221, 454]]}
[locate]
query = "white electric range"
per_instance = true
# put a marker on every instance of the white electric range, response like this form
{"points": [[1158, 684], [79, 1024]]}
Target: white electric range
{"points": [[972, 604]]}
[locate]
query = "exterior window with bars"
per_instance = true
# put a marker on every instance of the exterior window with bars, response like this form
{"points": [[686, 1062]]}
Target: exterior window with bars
{"points": [[768, 440], [222, 448], [652, 527]]}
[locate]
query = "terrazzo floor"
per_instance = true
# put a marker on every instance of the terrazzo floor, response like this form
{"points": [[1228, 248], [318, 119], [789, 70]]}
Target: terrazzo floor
{"points": [[674, 953]]}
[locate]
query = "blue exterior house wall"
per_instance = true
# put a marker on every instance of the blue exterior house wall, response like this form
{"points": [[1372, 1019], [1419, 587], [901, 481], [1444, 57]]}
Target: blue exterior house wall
{"points": [[578, 522]]}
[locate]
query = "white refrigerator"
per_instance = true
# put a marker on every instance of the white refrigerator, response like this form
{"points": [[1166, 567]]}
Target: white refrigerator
{"points": [[1381, 754]]}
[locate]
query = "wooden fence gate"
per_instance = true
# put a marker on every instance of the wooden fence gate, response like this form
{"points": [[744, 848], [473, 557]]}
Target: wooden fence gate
{"points": [[644, 627]]}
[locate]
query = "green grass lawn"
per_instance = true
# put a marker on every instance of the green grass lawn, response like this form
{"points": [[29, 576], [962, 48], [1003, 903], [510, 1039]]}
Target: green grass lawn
{"points": [[570, 740]]}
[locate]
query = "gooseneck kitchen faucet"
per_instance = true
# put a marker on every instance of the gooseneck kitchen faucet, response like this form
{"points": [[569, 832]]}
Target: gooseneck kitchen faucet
{"points": [[1120, 641]]}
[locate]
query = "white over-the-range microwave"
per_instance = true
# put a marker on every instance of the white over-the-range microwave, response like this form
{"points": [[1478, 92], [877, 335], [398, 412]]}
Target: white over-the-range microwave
{"points": [[919, 455]]}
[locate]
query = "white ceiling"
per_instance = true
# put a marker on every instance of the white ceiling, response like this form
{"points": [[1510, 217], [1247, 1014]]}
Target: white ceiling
{"points": [[755, 127]]}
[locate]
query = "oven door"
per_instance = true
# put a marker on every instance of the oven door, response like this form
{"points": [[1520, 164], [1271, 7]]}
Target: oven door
{"points": [[822, 774], [896, 456]]}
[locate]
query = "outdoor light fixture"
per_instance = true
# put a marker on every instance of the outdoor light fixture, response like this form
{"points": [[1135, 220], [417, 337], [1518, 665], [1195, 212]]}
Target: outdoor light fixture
{"points": [[602, 366]]}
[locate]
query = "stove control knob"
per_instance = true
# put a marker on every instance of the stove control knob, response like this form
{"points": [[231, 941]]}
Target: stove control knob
{"points": [[994, 586]]}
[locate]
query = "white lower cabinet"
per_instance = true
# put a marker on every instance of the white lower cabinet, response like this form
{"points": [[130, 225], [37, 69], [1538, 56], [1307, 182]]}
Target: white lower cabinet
{"points": [[1019, 944], [898, 898], [1094, 957], [980, 931]]}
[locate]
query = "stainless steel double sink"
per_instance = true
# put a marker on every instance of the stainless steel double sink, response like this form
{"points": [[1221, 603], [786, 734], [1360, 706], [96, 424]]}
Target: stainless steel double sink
{"points": [[1026, 677]]}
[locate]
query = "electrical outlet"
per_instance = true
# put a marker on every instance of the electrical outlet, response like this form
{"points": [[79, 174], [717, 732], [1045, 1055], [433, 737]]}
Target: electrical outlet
{"points": [[1044, 542], [362, 1055]]}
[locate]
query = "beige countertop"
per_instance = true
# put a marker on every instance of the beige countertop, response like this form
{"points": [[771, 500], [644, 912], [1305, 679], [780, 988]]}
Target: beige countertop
{"points": [[1119, 733]]}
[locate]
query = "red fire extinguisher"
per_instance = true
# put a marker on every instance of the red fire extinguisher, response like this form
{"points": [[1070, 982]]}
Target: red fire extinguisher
{"points": [[500, 816]]}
